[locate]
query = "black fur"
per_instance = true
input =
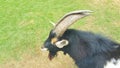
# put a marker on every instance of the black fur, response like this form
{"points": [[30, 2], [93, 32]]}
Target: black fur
{"points": [[87, 49]]}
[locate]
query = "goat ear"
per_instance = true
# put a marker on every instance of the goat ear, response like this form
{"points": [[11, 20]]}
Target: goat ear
{"points": [[62, 43]]}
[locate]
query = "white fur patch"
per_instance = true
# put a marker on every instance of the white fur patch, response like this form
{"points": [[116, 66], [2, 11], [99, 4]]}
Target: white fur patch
{"points": [[113, 64], [44, 49]]}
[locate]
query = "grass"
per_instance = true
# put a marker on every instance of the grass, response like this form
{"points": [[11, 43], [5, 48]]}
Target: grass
{"points": [[24, 25]]}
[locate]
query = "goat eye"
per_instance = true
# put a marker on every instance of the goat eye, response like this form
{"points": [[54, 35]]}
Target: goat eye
{"points": [[53, 40]]}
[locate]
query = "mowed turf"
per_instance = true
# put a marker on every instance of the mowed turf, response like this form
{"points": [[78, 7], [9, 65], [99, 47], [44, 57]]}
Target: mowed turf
{"points": [[24, 25]]}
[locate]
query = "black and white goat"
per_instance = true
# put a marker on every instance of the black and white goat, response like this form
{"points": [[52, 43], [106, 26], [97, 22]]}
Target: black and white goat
{"points": [[87, 49]]}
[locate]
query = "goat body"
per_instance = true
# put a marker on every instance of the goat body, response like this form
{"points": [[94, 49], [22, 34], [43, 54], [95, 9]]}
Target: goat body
{"points": [[90, 50]]}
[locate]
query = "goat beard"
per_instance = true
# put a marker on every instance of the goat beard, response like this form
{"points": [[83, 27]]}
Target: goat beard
{"points": [[51, 55]]}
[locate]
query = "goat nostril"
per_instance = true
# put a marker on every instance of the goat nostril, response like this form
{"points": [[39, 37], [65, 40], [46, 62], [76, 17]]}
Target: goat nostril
{"points": [[42, 47]]}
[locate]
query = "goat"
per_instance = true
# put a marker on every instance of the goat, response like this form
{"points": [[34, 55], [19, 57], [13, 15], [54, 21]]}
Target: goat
{"points": [[87, 49]]}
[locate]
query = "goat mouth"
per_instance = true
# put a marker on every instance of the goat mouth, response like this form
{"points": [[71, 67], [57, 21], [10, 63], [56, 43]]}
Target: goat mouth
{"points": [[51, 55]]}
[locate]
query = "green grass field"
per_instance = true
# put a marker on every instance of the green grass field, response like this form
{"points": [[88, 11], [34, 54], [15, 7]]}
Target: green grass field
{"points": [[24, 25]]}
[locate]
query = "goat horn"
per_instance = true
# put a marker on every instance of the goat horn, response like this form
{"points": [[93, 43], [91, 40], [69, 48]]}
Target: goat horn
{"points": [[68, 20], [51, 22]]}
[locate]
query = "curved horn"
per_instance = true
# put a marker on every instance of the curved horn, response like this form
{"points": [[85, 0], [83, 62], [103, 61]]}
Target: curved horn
{"points": [[52, 23], [68, 20]]}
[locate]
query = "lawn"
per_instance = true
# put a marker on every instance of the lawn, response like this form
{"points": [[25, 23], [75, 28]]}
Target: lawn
{"points": [[24, 25]]}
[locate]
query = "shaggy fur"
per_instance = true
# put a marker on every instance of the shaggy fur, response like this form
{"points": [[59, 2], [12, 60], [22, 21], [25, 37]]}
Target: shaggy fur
{"points": [[87, 49]]}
